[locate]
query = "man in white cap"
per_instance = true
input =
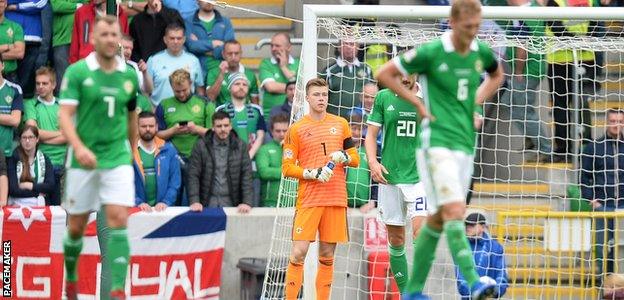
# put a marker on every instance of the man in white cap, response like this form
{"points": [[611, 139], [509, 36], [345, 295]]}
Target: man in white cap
{"points": [[247, 119]]}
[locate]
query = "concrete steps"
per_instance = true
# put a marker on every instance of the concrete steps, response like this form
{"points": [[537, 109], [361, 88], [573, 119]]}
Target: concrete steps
{"points": [[550, 292]]}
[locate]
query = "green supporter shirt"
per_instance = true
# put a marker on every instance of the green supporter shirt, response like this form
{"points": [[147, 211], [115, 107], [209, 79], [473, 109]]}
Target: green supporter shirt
{"points": [[171, 111], [358, 182], [345, 86], [224, 94], [143, 104], [103, 101], [149, 169], [211, 62], [63, 20], [10, 100], [398, 120], [269, 165], [46, 115], [450, 82], [535, 66], [270, 71], [10, 33], [246, 121]]}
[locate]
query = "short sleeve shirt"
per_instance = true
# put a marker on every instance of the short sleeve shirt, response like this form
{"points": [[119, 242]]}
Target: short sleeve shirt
{"points": [[10, 32], [10, 100]]}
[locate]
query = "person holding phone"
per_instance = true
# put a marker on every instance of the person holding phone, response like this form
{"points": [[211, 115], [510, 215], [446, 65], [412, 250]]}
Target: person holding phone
{"points": [[183, 119]]}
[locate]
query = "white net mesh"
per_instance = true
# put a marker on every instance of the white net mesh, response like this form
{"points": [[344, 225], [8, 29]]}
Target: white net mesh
{"points": [[533, 205]]}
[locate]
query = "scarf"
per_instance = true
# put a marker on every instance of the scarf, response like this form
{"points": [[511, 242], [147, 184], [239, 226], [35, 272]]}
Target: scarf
{"points": [[39, 171]]}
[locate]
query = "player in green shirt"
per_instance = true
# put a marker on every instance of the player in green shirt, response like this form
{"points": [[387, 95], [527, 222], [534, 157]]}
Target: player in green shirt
{"points": [[450, 72], [217, 78], [11, 107], [276, 72], [183, 118], [269, 162], [42, 112], [99, 93], [247, 119], [402, 198]]}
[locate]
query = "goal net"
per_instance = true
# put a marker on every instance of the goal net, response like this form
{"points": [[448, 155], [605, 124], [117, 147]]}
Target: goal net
{"points": [[555, 245]]}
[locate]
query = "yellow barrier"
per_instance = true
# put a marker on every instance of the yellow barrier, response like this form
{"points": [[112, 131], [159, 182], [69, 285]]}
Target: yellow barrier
{"points": [[560, 274]]}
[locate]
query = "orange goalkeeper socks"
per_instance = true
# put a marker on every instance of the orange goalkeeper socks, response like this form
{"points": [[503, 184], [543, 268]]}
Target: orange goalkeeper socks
{"points": [[294, 278], [324, 277]]}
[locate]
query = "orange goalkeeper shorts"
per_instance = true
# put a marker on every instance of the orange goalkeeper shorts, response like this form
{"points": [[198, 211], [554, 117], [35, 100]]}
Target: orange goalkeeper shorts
{"points": [[329, 221]]}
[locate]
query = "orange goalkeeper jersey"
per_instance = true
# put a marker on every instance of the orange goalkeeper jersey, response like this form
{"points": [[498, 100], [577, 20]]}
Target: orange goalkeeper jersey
{"points": [[308, 145]]}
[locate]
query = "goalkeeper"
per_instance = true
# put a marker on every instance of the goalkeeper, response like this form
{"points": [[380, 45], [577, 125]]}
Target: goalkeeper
{"points": [[310, 144], [450, 69], [401, 194]]}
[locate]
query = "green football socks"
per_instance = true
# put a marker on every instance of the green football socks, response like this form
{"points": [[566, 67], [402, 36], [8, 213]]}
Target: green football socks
{"points": [[398, 264], [460, 250], [71, 251], [424, 253], [118, 257]]}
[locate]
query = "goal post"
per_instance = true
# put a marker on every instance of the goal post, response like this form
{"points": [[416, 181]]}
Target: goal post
{"points": [[545, 258]]}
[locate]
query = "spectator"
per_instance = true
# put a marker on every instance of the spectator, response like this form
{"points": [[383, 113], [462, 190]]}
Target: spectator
{"points": [[156, 165], [369, 91], [269, 162], [286, 108], [183, 119], [613, 287], [62, 27], [602, 167], [206, 33], [42, 112], [148, 27], [220, 169], [30, 172], [11, 108], [46, 36], [561, 73], [346, 78], [186, 8], [276, 72], [162, 64], [12, 46], [27, 13], [359, 179], [216, 80], [84, 19], [4, 181], [145, 81], [248, 119], [489, 257]]}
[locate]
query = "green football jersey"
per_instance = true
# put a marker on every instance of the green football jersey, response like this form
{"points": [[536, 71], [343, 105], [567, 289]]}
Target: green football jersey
{"points": [[46, 115], [246, 121], [10, 33], [450, 82], [172, 111], [269, 70], [143, 104], [149, 169], [103, 101], [399, 121], [10, 100], [224, 93], [358, 182]]}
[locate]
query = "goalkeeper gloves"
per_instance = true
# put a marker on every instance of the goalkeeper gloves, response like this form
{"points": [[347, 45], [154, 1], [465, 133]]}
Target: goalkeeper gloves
{"points": [[340, 157], [322, 174]]}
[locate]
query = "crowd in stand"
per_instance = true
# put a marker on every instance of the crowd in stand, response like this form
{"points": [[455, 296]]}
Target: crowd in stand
{"points": [[210, 128]]}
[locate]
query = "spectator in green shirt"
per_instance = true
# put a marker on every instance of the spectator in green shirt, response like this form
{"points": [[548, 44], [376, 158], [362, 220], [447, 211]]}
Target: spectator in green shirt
{"points": [[247, 119], [346, 79], [359, 179], [269, 162], [12, 46], [276, 72], [62, 26], [216, 80], [42, 112], [4, 180]]}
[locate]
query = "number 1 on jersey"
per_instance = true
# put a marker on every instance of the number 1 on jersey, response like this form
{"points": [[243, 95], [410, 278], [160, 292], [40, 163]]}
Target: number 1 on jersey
{"points": [[110, 100]]}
